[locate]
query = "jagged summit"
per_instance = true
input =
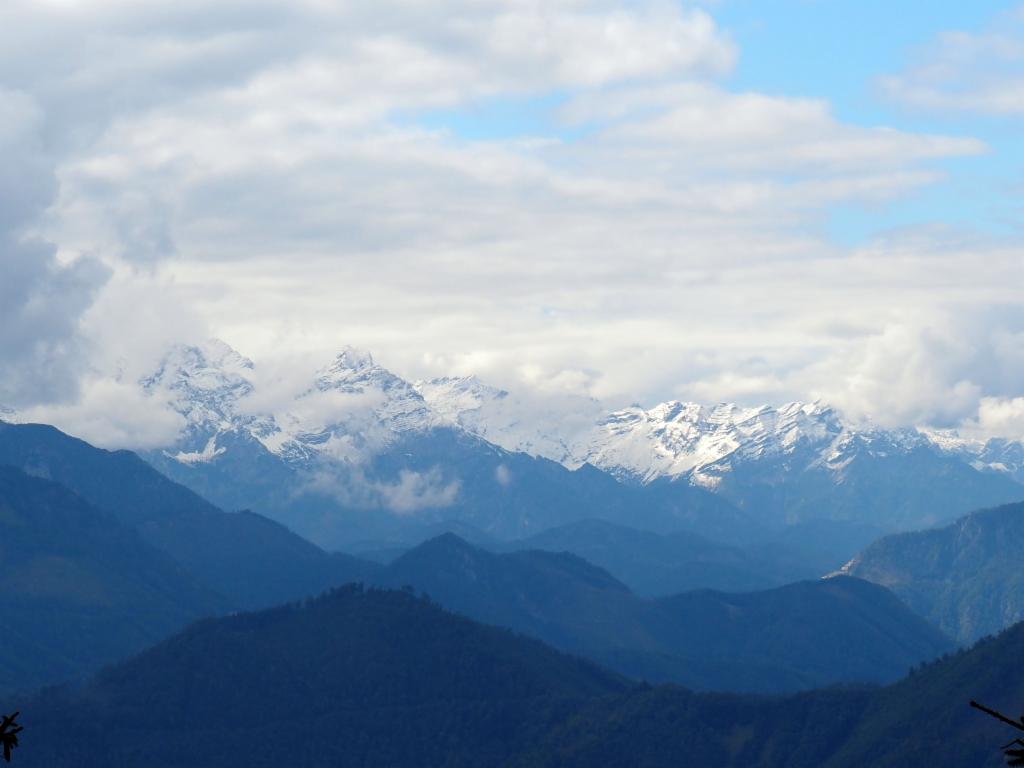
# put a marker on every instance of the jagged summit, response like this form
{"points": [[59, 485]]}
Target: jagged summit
{"points": [[676, 438], [997, 454], [352, 407], [349, 361], [355, 371], [354, 404], [786, 463]]}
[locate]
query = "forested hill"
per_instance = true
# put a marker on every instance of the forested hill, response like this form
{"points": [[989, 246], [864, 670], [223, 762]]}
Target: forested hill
{"points": [[382, 678], [966, 578], [378, 678], [925, 720]]}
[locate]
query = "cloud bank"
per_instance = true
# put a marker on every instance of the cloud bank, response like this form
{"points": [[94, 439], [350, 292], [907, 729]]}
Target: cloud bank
{"points": [[294, 177]]}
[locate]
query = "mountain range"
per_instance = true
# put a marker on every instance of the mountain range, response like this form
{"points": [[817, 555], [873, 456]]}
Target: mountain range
{"points": [[359, 457], [798, 636], [104, 555], [804, 634]]}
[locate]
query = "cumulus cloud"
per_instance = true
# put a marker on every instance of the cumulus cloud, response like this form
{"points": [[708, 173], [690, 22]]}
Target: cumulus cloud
{"points": [[280, 175], [1001, 417]]}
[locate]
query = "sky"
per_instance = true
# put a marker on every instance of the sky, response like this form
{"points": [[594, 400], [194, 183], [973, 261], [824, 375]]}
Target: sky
{"points": [[633, 200]]}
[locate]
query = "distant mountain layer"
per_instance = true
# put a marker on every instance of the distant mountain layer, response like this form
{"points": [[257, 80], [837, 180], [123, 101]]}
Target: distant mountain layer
{"points": [[793, 637], [656, 565], [252, 561], [423, 479], [79, 589], [966, 578], [382, 678], [359, 439]]}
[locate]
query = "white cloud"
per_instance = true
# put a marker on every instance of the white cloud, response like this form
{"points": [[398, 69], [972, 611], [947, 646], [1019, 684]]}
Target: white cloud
{"points": [[980, 72], [996, 417], [409, 493], [112, 414], [261, 171]]}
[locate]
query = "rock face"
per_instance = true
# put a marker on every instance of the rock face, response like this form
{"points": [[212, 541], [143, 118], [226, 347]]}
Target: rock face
{"points": [[966, 578]]}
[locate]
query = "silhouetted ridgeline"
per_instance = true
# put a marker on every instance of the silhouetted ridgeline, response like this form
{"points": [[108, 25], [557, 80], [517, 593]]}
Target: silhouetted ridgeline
{"points": [[252, 561], [377, 678], [78, 588], [794, 637]]}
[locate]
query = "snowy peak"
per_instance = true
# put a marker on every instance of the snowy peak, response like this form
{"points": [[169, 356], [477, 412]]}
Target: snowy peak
{"points": [[355, 409], [349, 365], [678, 438], [203, 383], [352, 408], [995, 454], [354, 371]]}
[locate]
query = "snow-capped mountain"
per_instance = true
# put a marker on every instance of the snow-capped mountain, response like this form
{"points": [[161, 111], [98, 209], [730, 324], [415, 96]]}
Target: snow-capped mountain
{"points": [[705, 444], [355, 435], [785, 465], [673, 439], [352, 408], [545, 427], [206, 384], [995, 454]]}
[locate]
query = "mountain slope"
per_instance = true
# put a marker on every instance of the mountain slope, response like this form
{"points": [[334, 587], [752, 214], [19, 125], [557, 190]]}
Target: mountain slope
{"points": [[351, 678], [655, 565], [966, 578], [249, 559], [923, 720], [78, 589], [438, 475], [383, 678], [793, 637]]}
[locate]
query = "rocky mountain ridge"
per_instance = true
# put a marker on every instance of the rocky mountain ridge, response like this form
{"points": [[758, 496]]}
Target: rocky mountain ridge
{"points": [[354, 406]]}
